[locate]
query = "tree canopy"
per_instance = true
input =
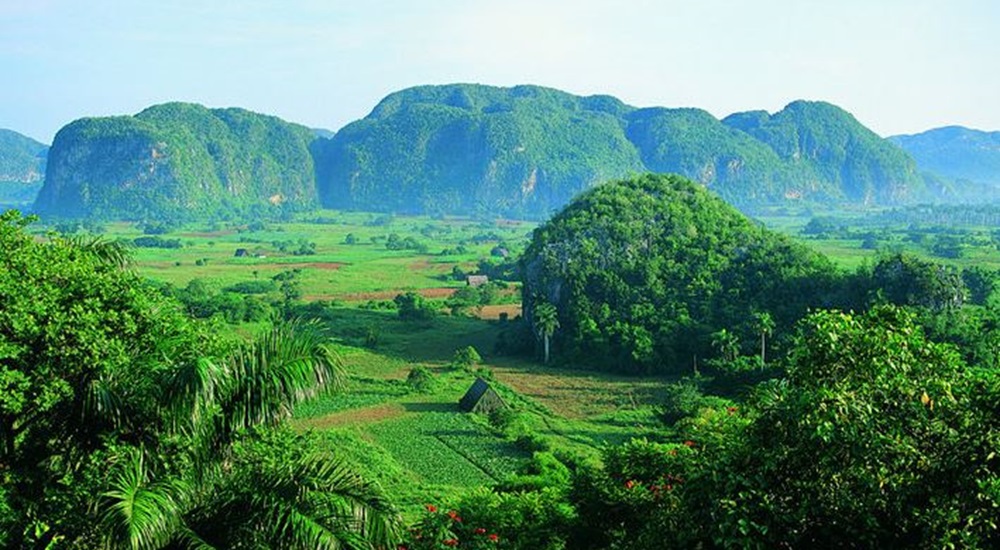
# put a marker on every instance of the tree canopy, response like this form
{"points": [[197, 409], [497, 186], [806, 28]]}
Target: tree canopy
{"points": [[642, 271]]}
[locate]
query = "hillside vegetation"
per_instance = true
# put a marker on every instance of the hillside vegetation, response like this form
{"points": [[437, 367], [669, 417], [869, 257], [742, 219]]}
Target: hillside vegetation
{"points": [[643, 271], [852, 422], [178, 161], [526, 151], [520, 152]]}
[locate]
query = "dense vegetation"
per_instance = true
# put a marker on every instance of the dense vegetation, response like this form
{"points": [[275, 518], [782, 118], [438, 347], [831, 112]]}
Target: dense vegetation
{"points": [[177, 162], [125, 424], [791, 429], [876, 437], [643, 272], [519, 152], [958, 153], [525, 151], [22, 167]]}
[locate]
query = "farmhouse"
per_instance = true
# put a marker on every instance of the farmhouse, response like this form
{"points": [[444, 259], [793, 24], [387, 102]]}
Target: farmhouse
{"points": [[481, 398], [476, 280]]}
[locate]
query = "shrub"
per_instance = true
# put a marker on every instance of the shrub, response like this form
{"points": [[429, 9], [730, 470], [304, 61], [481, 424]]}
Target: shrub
{"points": [[466, 357], [421, 379], [413, 307]]}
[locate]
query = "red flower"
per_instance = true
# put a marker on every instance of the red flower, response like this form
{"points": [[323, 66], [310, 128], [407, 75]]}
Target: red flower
{"points": [[730, 410], [494, 537], [431, 508], [450, 542], [629, 484], [454, 515], [689, 443], [480, 531]]}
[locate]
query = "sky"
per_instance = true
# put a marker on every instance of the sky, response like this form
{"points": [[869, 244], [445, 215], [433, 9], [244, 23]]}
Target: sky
{"points": [[900, 66]]}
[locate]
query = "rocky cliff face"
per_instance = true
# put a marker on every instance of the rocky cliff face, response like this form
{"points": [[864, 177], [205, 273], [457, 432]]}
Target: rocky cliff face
{"points": [[178, 161]]}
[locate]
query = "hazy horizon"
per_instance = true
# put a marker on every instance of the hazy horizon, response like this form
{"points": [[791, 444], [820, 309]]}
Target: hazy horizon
{"points": [[899, 67]]}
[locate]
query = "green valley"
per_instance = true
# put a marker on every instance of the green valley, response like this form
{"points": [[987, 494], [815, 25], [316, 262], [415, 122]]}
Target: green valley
{"points": [[590, 451]]}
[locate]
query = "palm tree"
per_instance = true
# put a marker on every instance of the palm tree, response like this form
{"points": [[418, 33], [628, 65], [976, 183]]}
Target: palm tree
{"points": [[236, 494], [726, 343], [546, 323], [764, 325], [130, 415]]}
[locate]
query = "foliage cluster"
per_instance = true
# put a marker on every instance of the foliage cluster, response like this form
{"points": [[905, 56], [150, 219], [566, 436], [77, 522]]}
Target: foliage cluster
{"points": [[643, 271], [125, 424]]}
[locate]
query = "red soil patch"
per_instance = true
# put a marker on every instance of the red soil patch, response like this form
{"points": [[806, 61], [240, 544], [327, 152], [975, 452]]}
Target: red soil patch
{"points": [[300, 265], [493, 312], [390, 294], [368, 415], [209, 233]]}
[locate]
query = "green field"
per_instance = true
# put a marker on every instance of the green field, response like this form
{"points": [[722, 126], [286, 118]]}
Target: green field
{"points": [[335, 269], [417, 444]]}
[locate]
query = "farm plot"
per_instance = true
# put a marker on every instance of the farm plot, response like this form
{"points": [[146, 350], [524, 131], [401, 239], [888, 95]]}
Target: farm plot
{"points": [[447, 449], [359, 393]]}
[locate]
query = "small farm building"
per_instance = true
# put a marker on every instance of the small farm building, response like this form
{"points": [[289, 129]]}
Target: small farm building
{"points": [[481, 398], [476, 280]]}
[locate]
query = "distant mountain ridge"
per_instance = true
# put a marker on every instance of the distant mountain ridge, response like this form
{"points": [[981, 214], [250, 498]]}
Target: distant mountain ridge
{"points": [[956, 152], [22, 167], [527, 150], [22, 159], [523, 151], [178, 161]]}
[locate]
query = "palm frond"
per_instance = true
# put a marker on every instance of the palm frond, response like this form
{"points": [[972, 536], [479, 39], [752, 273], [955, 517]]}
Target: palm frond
{"points": [[189, 391], [266, 378], [309, 502], [139, 514], [102, 402], [113, 253]]}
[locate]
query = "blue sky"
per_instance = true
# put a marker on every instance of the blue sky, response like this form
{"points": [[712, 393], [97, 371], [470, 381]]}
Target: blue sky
{"points": [[898, 66]]}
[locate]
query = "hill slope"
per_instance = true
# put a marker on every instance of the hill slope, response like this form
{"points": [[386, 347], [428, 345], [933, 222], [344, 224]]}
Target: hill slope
{"points": [[526, 150], [463, 148], [22, 167], [956, 152], [643, 271], [826, 150], [178, 161]]}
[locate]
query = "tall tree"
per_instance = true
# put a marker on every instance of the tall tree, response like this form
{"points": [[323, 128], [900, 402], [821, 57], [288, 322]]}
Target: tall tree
{"points": [[546, 322], [764, 325], [726, 343]]}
